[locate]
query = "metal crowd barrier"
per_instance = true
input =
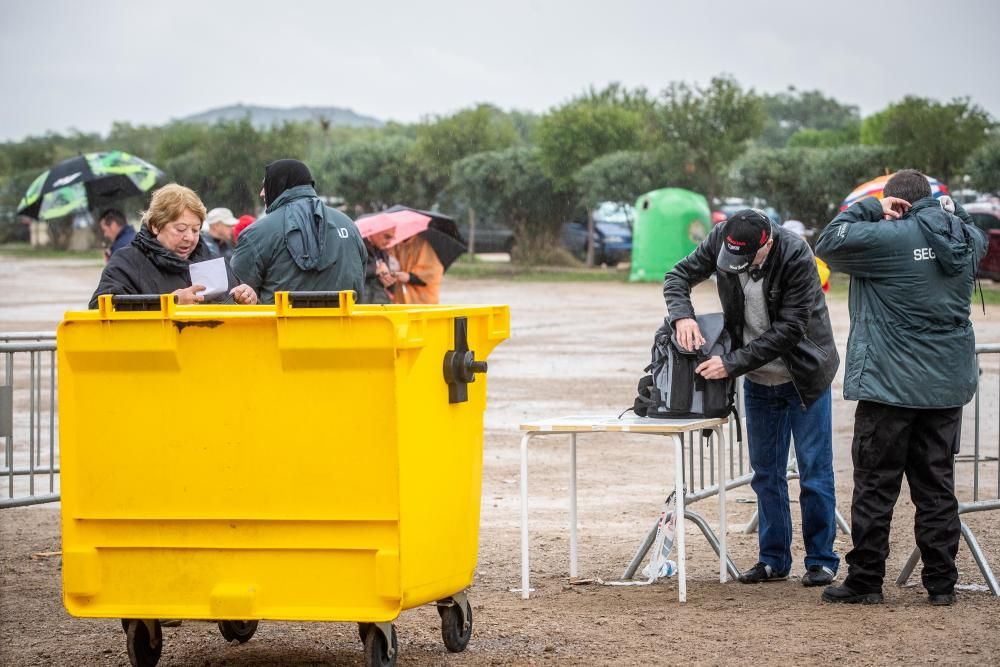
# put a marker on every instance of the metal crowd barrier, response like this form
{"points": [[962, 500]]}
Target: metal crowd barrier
{"points": [[28, 425], [984, 458], [698, 462]]}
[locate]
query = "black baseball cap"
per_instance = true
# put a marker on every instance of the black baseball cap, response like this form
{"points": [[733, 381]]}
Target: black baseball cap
{"points": [[745, 233]]}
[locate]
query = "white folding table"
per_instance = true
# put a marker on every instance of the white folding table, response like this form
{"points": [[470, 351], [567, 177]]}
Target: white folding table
{"points": [[674, 428]]}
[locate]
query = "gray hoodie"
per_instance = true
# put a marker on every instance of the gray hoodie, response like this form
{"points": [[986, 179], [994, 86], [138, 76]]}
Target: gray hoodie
{"points": [[911, 342]]}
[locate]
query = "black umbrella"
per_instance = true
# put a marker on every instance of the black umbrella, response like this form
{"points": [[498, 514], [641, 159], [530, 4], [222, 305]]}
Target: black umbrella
{"points": [[87, 181], [442, 233]]}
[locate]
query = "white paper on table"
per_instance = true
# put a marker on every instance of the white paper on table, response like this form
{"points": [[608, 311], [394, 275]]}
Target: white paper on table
{"points": [[212, 274]]}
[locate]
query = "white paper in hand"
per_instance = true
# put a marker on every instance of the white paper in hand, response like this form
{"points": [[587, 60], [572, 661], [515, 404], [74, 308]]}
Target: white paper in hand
{"points": [[211, 274]]}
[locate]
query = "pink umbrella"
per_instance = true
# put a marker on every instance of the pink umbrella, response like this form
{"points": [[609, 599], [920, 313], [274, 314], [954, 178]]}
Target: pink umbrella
{"points": [[406, 224]]}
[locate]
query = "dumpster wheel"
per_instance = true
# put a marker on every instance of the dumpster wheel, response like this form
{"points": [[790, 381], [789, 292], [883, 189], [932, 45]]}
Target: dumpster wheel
{"points": [[241, 631], [144, 646], [378, 651], [456, 622]]}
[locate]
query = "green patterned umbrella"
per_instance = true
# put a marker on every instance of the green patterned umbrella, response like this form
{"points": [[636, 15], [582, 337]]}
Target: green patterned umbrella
{"points": [[87, 181]]}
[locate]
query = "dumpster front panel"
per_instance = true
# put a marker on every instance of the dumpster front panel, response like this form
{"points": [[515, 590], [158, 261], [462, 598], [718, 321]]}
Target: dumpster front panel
{"points": [[240, 465]]}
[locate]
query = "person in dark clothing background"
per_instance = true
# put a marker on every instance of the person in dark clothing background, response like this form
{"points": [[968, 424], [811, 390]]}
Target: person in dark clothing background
{"points": [[115, 230], [159, 258], [775, 310], [300, 243], [911, 365], [379, 276]]}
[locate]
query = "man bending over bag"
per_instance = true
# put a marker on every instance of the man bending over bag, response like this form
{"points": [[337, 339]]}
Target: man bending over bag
{"points": [[776, 313]]}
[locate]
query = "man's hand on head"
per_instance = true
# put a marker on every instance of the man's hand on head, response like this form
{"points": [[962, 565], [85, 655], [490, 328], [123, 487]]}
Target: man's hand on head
{"points": [[894, 208]]}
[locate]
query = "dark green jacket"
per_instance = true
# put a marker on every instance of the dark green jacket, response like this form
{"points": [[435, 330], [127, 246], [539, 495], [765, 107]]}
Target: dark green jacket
{"points": [[300, 245], [911, 342]]}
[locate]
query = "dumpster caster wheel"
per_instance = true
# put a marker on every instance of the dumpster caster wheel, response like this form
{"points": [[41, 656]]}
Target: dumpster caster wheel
{"points": [[144, 648], [363, 630], [241, 631], [456, 627], [378, 651]]}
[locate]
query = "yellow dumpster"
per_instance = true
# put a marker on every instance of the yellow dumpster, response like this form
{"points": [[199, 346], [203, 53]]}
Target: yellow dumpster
{"points": [[311, 460]]}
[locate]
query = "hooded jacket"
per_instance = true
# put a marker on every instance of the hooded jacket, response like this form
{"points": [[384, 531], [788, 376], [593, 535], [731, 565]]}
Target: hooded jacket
{"points": [[146, 267], [800, 333], [911, 342], [300, 245]]}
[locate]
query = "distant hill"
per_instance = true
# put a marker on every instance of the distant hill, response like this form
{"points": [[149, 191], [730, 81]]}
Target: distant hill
{"points": [[265, 117]]}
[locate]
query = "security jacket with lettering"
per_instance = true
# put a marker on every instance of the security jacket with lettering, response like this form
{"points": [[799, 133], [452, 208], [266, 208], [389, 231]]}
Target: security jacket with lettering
{"points": [[800, 332], [300, 245], [911, 342]]}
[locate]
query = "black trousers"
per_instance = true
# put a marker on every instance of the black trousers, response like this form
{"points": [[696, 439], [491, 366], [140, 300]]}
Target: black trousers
{"points": [[889, 442]]}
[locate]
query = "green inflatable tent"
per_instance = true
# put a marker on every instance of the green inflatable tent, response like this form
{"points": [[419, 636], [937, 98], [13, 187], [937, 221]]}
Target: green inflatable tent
{"points": [[669, 224]]}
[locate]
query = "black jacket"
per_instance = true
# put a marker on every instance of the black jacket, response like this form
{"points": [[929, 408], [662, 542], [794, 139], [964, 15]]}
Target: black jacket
{"points": [[146, 267], [800, 332]]}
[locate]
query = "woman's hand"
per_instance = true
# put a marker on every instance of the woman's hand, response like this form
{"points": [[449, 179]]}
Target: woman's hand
{"points": [[402, 276], [243, 294], [189, 295], [383, 274]]}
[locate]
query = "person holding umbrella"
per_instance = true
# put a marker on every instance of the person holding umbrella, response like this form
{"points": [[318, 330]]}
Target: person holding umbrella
{"points": [[115, 230], [159, 259]]}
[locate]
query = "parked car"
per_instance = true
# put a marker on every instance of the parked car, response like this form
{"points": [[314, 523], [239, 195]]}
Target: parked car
{"points": [[612, 241], [986, 215], [490, 236], [612, 233]]}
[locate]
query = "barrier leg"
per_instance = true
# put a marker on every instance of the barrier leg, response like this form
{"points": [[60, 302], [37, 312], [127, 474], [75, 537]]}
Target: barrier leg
{"points": [[980, 558], [842, 522], [907, 570], [713, 541], [752, 524], [641, 553]]}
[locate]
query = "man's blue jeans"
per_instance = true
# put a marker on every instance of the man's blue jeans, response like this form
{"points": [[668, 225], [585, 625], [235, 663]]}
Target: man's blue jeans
{"points": [[773, 414]]}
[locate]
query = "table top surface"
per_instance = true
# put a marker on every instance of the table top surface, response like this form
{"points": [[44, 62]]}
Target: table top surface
{"points": [[611, 423]]}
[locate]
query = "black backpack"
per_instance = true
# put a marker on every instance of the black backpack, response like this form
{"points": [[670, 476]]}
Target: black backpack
{"points": [[672, 389]]}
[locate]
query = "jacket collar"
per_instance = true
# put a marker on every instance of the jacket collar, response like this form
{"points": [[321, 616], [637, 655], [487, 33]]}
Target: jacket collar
{"points": [[290, 195]]}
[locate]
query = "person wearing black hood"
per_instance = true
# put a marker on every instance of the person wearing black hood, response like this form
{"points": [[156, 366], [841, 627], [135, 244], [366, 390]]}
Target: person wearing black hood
{"points": [[300, 244], [159, 258]]}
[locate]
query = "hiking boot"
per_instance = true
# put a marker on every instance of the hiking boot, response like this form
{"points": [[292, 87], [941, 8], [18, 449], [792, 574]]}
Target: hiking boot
{"points": [[941, 599], [818, 575], [849, 596], [760, 573]]}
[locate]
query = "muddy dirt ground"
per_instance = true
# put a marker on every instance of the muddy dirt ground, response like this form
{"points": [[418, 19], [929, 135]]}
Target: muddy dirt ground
{"points": [[575, 348]]}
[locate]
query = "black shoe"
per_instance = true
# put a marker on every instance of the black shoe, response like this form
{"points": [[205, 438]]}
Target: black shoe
{"points": [[761, 572], [818, 575], [844, 594], [941, 599]]}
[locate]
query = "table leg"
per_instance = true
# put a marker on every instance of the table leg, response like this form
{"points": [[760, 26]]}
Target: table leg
{"points": [[679, 513], [572, 506], [720, 443], [525, 584]]}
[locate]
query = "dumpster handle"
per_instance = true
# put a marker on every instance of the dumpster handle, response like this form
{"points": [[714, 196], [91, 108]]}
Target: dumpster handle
{"points": [[460, 365], [110, 303], [285, 302]]}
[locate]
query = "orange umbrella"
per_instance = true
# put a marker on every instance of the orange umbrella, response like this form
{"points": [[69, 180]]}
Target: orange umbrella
{"points": [[874, 187]]}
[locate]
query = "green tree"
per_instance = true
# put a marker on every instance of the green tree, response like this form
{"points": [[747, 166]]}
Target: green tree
{"points": [[812, 138], [373, 174], [511, 185], [621, 176], [443, 141], [583, 130], [930, 136], [983, 167], [705, 129], [808, 183], [793, 111]]}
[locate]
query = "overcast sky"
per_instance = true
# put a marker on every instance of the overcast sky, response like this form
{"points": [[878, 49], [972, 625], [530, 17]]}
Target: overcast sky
{"points": [[72, 64]]}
